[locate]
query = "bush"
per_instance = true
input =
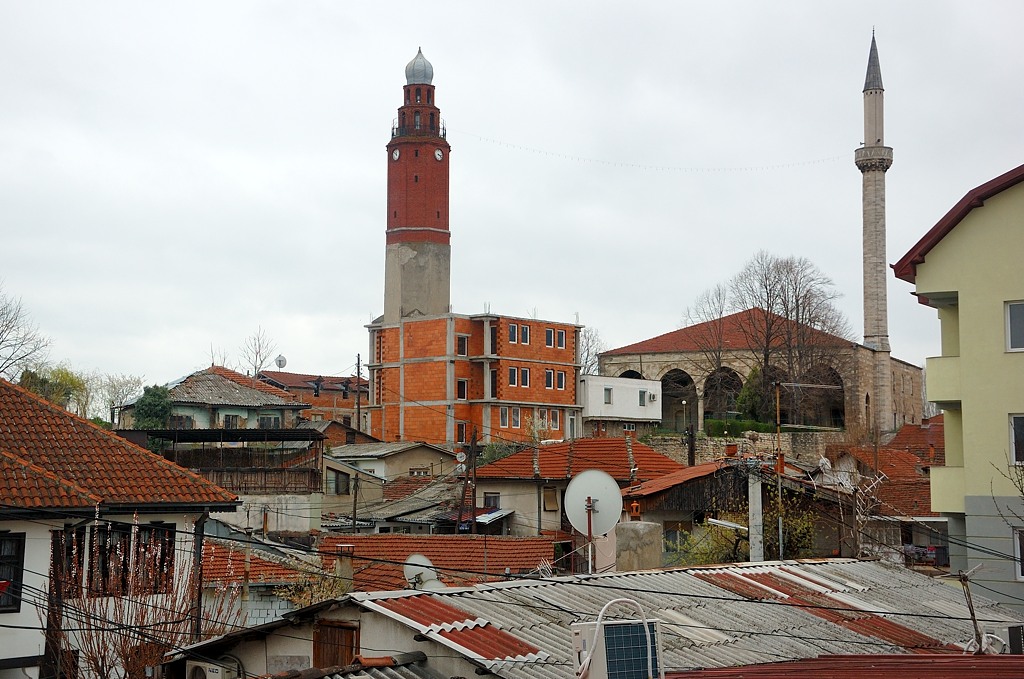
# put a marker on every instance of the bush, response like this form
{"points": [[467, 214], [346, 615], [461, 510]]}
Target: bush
{"points": [[735, 427]]}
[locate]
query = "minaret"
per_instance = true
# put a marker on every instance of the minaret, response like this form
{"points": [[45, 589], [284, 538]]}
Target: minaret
{"points": [[417, 265], [873, 159]]}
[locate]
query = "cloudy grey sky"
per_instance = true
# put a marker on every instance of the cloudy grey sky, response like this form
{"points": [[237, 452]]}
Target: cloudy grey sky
{"points": [[173, 175]]}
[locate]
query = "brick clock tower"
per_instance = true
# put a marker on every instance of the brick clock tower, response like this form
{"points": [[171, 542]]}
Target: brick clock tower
{"points": [[417, 266]]}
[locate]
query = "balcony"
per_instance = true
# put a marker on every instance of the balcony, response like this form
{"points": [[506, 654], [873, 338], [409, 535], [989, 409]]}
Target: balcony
{"points": [[420, 131], [944, 379]]}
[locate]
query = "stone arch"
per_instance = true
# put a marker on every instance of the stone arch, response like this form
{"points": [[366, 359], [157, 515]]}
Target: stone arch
{"points": [[631, 374], [679, 405], [822, 405], [721, 389]]}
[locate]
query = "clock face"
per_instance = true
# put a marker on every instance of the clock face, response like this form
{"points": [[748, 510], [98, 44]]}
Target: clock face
{"points": [[439, 154], [395, 154]]}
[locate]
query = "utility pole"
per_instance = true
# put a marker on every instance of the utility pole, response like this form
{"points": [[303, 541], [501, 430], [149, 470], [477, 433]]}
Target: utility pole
{"points": [[359, 391], [355, 500]]}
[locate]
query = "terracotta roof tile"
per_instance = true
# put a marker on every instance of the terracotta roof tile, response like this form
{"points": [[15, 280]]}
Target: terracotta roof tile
{"points": [[926, 440], [250, 382], [224, 563], [55, 459], [220, 386], [672, 479], [304, 381], [461, 559], [565, 460], [734, 332]]}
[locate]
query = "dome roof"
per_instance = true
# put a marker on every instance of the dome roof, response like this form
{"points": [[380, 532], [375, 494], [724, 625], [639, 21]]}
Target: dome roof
{"points": [[419, 71]]}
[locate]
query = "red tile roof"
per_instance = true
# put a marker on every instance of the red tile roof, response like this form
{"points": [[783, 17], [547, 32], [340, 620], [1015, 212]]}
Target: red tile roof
{"points": [[906, 267], [733, 332], [918, 666], [926, 440], [565, 460], [672, 479], [224, 563], [251, 382], [906, 491], [304, 381], [53, 459], [460, 559], [404, 486]]}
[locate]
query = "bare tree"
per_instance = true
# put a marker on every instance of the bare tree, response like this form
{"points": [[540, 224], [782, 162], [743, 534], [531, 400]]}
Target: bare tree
{"points": [[591, 346], [116, 390], [21, 343], [219, 356], [707, 318], [257, 351]]}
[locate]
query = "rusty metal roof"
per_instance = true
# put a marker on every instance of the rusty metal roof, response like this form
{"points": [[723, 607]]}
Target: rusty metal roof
{"points": [[721, 616]]}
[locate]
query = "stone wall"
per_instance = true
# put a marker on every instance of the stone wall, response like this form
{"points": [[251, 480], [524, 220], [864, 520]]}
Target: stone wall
{"points": [[798, 446]]}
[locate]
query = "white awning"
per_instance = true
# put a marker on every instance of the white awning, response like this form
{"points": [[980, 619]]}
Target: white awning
{"points": [[494, 516]]}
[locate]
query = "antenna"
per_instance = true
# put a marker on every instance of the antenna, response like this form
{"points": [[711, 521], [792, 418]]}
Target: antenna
{"points": [[420, 573], [593, 504]]}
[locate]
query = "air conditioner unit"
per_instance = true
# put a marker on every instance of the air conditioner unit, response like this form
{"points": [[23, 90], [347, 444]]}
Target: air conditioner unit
{"points": [[653, 397], [195, 669], [620, 649]]}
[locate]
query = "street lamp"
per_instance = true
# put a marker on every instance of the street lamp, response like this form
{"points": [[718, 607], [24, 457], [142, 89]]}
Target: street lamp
{"points": [[684, 414]]}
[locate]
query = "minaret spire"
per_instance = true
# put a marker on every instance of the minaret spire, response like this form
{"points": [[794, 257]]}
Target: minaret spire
{"points": [[873, 159]]}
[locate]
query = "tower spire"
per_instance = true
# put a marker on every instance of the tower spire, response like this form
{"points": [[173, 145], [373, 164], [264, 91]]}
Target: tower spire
{"points": [[873, 159]]}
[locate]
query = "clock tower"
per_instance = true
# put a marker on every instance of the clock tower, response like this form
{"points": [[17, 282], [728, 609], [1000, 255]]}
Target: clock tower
{"points": [[417, 266]]}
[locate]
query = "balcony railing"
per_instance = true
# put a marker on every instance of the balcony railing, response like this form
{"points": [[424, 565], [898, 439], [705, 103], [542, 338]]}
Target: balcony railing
{"points": [[421, 131], [266, 481]]}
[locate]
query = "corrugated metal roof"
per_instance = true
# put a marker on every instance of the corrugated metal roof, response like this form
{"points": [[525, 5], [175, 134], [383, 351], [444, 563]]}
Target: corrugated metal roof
{"points": [[830, 606]]}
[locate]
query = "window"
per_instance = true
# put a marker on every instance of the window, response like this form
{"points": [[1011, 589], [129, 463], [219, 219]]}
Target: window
{"points": [[524, 334], [460, 432], [494, 383], [549, 379], [524, 377], [416, 119], [1017, 438], [560, 381], [181, 422], [553, 420], [1015, 326], [607, 395], [462, 345], [270, 422], [12, 566], [420, 471], [549, 337], [419, 96], [1018, 549], [503, 417], [550, 499], [542, 417], [513, 375], [492, 500], [350, 437], [338, 482], [515, 418], [117, 570], [231, 421], [629, 426], [462, 389], [561, 339], [643, 397], [513, 333]]}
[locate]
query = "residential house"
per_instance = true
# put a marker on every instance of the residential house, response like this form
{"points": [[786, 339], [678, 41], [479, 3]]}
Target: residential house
{"points": [[529, 487], [346, 486], [392, 461], [966, 267], [704, 367], [329, 397], [620, 406], [707, 617], [335, 433], [220, 398], [817, 521], [89, 524]]}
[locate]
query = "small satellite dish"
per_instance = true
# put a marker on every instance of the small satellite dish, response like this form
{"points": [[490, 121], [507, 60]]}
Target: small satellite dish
{"points": [[460, 456], [605, 498], [280, 361], [420, 573], [460, 468]]}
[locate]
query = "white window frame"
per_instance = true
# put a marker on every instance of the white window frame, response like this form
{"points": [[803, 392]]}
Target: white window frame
{"points": [[542, 417], [492, 500], [462, 345], [513, 376], [462, 389], [549, 337], [1017, 447], [524, 377], [642, 398], [549, 379], [607, 396], [553, 420], [1015, 335], [561, 339], [524, 334], [503, 417], [560, 380], [1018, 552], [460, 432], [513, 333], [516, 417], [629, 426]]}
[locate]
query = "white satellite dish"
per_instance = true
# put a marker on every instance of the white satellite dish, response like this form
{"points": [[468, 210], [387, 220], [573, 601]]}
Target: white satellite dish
{"points": [[605, 504], [420, 573], [460, 456], [280, 361]]}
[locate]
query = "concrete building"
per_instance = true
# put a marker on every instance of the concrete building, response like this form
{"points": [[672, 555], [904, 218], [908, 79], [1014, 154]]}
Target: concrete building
{"points": [[436, 376], [619, 406], [967, 267]]}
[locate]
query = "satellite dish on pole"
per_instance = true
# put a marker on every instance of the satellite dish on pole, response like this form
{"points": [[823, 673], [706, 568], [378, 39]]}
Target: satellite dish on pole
{"points": [[601, 513], [420, 573], [280, 361]]}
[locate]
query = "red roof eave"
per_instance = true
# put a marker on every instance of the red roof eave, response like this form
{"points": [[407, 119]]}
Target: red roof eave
{"points": [[906, 268]]}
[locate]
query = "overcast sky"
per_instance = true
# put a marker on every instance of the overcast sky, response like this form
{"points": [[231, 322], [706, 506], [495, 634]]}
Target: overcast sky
{"points": [[174, 175]]}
